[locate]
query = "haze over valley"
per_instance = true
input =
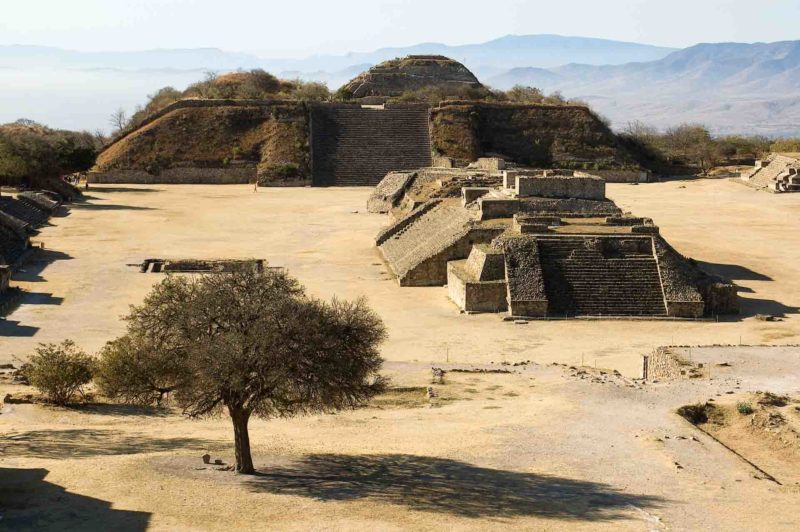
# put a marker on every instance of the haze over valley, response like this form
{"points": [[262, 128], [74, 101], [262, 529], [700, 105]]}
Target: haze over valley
{"points": [[730, 87]]}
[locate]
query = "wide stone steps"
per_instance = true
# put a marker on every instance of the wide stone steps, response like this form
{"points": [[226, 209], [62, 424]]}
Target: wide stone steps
{"points": [[24, 211], [358, 147], [582, 281]]}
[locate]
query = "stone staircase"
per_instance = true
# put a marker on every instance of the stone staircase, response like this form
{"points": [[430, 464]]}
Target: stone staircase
{"points": [[24, 210], [778, 175], [582, 279], [354, 146]]}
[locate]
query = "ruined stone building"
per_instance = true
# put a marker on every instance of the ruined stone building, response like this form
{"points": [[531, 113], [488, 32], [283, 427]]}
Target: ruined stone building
{"points": [[291, 142], [537, 245], [776, 173], [20, 216]]}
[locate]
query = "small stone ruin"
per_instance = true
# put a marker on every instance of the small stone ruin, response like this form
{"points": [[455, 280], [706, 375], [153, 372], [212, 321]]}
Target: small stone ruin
{"points": [[776, 173], [199, 265]]}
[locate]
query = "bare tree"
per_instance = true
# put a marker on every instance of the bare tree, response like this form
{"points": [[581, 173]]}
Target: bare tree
{"points": [[118, 119], [251, 343]]}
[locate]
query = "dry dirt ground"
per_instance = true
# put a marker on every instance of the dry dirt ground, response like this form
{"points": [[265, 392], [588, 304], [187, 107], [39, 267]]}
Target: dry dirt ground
{"points": [[539, 448]]}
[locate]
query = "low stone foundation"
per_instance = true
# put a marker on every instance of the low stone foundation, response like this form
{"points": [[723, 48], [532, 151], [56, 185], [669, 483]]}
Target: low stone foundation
{"points": [[492, 208], [177, 176], [685, 309], [583, 187], [529, 309], [620, 176], [472, 295], [660, 365]]}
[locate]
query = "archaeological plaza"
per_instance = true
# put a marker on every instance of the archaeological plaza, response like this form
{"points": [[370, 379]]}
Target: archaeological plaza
{"points": [[574, 337]]}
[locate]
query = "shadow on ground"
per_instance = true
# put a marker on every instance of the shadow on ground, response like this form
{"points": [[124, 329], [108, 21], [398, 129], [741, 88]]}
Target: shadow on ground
{"points": [[109, 207], [31, 270], [734, 272], [114, 409], [28, 502], [448, 486], [82, 443], [13, 328], [750, 306], [103, 188]]}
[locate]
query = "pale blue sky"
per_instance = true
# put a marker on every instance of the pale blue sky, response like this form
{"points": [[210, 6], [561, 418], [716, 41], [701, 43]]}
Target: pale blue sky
{"points": [[298, 27]]}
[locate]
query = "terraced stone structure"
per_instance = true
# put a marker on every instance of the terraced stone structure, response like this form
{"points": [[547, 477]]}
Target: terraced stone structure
{"points": [[412, 73], [777, 173], [550, 246], [20, 216], [282, 142]]}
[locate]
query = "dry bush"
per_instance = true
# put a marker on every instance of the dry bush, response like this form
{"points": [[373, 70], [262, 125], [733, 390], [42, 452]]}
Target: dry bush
{"points": [[60, 371]]}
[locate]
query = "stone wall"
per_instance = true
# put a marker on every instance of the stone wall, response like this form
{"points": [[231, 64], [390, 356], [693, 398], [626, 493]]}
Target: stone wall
{"points": [[685, 309], [619, 176], [177, 176], [591, 188], [661, 364], [524, 277], [492, 208], [489, 163], [471, 295]]}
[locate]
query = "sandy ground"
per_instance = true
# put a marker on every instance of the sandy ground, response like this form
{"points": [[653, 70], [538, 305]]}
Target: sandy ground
{"points": [[81, 284], [540, 448]]}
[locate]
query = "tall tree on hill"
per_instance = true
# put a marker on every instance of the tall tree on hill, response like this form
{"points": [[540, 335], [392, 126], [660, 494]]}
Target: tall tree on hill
{"points": [[249, 342]]}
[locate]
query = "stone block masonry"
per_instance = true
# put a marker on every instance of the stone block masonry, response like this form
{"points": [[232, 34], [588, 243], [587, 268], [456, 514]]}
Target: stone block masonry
{"points": [[591, 188], [177, 176], [354, 146]]}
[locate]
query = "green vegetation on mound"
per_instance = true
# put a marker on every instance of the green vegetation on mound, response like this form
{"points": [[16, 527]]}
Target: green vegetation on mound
{"points": [[31, 154], [426, 75], [216, 134], [567, 136], [255, 84]]}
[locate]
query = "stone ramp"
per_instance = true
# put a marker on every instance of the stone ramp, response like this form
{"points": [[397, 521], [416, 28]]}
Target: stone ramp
{"points": [[418, 251], [355, 146], [773, 176], [24, 210], [593, 276]]}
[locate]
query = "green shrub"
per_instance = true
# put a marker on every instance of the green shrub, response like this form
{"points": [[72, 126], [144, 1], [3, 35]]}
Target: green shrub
{"points": [[59, 371], [744, 408]]}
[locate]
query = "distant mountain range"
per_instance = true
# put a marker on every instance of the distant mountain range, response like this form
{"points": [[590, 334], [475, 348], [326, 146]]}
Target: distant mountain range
{"points": [[746, 88], [731, 87]]}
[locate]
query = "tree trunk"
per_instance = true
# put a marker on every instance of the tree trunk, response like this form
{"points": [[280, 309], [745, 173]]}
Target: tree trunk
{"points": [[241, 440]]}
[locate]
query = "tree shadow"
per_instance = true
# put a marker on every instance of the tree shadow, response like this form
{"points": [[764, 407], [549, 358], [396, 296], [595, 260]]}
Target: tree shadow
{"points": [[734, 272], [31, 503], [83, 443], [447, 486], [119, 409]]}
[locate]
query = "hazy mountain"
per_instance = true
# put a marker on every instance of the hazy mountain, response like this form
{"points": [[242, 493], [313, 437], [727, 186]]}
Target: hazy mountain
{"points": [[180, 59], [732, 87], [497, 55]]}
